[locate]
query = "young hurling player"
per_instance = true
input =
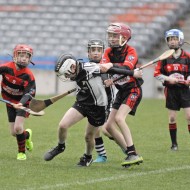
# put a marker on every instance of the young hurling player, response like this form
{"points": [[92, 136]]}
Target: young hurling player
{"points": [[129, 94], [171, 72], [17, 86], [95, 51], [91, 100]]}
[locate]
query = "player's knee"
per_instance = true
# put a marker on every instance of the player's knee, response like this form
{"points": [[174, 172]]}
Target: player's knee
{"points": [[172, 119], [18, 130], [63, 125], [188, 118], [118, 119]]}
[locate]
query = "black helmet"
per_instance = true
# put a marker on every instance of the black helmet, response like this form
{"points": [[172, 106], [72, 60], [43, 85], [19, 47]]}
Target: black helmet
{"points": [[95, 43]]}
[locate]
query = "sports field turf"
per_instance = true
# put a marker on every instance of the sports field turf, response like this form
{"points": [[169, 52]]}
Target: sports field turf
{"points": [[162, 169]]}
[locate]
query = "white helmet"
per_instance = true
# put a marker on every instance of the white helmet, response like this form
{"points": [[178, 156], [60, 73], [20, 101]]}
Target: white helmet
{"points": [[175, 32], [63, 67]]}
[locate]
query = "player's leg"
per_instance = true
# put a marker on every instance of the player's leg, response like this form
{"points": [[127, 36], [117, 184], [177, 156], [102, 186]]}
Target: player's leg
{"points": [[20, 136], [99, 147], [16, 121], [71, 117], [111, 127], [187, 116], [129, 105], [96, 118], [173, 129], [86, 159]]}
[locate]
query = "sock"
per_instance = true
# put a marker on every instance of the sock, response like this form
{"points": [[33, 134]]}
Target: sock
{"points": [[111, 138], [27, 135], [21, 142], [173, 132], [131, 150], [99, 146], [61, 146], [189, 128], [88, 156]]}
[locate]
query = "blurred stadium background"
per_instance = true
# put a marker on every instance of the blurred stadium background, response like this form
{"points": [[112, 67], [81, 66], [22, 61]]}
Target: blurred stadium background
{"points": [[52, 27]]}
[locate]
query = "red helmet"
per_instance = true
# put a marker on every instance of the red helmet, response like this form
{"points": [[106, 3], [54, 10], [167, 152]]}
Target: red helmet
{"points": [[22, 48], [120, 28]]}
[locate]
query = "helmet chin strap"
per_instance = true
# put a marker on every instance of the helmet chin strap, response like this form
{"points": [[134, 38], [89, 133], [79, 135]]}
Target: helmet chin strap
{"points": [[21, 66]]}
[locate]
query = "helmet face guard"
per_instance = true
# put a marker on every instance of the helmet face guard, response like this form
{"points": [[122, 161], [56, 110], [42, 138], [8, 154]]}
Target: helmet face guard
{"points": [[118, 34], [95, 50], [22, 55], [175, 33], [64, 67]]}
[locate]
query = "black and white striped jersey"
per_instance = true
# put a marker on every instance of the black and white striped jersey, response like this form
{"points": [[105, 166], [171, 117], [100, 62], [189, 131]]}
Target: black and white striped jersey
{"points": [[90, 88]]}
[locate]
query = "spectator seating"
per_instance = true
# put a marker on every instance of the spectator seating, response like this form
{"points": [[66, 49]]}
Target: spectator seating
{"points": [[58, 26]]}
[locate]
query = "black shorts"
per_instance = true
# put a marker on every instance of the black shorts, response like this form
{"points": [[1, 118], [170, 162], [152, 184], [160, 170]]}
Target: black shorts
{"points": [[12, 113], [130, 97], [95, 114], [177, 98]]}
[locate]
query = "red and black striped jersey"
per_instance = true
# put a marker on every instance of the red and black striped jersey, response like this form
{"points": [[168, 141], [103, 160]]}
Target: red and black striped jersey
{"points": [[179, 68], [126, 58], [16, 83]]}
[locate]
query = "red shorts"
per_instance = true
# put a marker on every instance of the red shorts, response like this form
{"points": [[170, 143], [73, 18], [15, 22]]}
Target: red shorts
{"points": [[131, 97]]}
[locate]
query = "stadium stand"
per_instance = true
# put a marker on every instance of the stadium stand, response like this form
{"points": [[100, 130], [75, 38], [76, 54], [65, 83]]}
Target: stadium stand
{"points": [[69, 22], [54, 27]]}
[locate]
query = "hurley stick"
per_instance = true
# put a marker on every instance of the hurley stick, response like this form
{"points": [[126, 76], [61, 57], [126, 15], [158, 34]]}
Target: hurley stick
{"points": [[38, 105], [40, 113]]}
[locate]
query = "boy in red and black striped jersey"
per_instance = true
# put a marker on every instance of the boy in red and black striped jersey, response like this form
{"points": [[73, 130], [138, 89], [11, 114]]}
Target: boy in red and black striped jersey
{"points": [[129, 94], [174, 73], [18, 86]]}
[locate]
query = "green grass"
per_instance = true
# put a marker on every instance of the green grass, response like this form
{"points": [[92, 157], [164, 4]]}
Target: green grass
{"points": [[162, 168]]}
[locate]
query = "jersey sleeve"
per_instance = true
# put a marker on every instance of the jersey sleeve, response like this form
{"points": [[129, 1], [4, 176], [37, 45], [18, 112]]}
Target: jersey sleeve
{"points": [[91, 68], [131, 59], [30, 88], [157, 70]]}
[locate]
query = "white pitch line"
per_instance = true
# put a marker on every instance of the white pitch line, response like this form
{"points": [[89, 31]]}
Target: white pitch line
{"points": [[111, 178]]}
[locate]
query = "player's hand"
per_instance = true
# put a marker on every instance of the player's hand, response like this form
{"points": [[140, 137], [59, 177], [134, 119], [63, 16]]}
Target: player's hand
{"points": [[172, 80], [105, 67], [108, 82], [185, 82], [17, 106], [138, 73], [188, 82]]}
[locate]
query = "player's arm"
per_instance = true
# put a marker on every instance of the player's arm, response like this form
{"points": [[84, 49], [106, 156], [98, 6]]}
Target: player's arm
{"points": [[161, 75], [29, 92], [114, 69], [122, 71], [4, 69]]}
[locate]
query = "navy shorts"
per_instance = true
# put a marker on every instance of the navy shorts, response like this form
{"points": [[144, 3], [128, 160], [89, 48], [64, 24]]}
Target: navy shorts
{"points": [[177, 98], [12, 113], [95, 114]]}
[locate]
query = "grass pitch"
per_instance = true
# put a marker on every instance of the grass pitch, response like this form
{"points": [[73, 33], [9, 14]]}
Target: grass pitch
{"points": [[162, 169]]}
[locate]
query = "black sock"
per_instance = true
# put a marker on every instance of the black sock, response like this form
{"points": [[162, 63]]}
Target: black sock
{"points": [[99, 146], [111, 138], [21, 142], [61, 146], [189, 128], [27, 134], [173, 132], [88, 156], [131, 150]]}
